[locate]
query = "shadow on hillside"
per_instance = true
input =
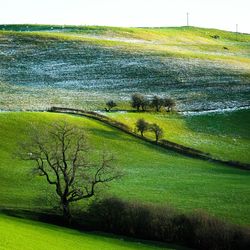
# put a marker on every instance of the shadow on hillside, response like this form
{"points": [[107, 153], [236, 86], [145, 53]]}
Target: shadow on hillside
{"points": [[53, 218], [117, 135]]}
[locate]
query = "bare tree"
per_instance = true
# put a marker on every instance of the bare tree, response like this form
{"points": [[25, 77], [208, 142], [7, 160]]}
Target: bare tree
{"points": [[141, 126], [61, 154], [145, 103], [110, 104], [169, 104], [158, 131], [157, 103], [138, 101]]}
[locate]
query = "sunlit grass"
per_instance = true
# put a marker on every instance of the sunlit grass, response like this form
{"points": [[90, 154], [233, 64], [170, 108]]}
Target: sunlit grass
{"points": [[23, 234], [151, 173], [225, 136], [183, 42]]}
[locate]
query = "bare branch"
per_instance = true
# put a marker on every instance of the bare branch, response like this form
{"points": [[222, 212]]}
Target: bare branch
{"points": [[62, 156]]}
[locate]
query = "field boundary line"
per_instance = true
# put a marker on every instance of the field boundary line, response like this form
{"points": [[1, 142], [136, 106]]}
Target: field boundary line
{"points": [[166, 144]]}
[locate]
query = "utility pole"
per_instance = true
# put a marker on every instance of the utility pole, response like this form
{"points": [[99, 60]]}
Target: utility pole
{"points": [[237, 30], [187, 19]]}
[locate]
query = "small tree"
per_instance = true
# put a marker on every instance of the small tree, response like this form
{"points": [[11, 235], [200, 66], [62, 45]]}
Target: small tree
{"points": [[110, 104], [145, 103], [61, 154], [157, 103], [141, 126], [137, 101], [157, 131], [169, 104]]}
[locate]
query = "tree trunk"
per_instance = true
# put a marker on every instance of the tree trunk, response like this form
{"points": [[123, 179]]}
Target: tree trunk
{"points": [[66, 212], [156, 138]]}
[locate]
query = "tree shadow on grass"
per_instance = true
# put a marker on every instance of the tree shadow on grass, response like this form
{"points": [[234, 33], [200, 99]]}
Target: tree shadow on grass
{"points": [[122, 136], [112, 134], [51, 220]]}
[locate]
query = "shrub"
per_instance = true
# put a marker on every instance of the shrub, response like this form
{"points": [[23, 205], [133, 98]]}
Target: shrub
{"points": [[165, 224]]}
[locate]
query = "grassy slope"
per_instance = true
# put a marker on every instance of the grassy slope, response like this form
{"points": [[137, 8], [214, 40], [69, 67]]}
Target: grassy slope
{"points": [[186, 63], [190, 41], [29, 235], [226, 136], [152, 174]]}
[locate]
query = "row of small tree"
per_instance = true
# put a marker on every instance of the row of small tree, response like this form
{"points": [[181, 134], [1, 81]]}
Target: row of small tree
{"points": [[141, 102], [143, 126]]}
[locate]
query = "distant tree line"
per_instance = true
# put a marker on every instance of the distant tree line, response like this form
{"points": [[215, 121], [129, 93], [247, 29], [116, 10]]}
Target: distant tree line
{"points": [[142, 103]]}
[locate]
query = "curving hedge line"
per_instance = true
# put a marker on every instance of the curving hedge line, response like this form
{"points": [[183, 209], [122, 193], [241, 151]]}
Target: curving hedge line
{"points": [[191, 152]]}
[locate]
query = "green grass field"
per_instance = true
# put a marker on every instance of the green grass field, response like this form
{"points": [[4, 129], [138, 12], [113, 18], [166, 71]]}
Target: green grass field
{"points": [[224, 135], [83, 67], [151, 173], [23, 234], [191, 41]]}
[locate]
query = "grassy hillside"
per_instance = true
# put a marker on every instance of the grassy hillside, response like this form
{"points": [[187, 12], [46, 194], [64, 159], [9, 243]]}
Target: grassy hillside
{"points": [[224, 135], [82, 66], [151, 173], [29, 235]]}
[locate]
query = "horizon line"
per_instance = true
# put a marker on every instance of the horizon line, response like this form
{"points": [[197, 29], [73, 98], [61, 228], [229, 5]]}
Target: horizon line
{"points": [[111, 26]]}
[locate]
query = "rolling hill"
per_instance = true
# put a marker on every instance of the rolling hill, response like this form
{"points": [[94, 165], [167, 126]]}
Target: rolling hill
{"points": [[82, 66], [224, 135], [152, 174]]}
